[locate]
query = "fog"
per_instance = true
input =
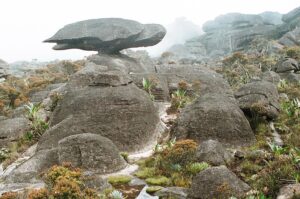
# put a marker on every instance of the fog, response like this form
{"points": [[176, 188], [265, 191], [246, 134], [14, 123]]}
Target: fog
{"points": [[25, 24]]}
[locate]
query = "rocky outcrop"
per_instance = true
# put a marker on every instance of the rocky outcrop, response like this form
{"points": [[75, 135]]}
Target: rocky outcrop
{"points": [[217, 182], [259, 97], [212, 152], [291, 38], [12, 130], [292, 15], [108, 35], [29, 170], [172, 192], [241, 32], [270, 76], [214, 116], [288, 69], [229, 33], [287, 65], [289, 191], [104, 102], [90, 152], [122, 63]]}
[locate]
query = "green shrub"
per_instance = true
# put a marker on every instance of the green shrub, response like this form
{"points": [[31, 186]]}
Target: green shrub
{"points": [[293, 52], [159, 180], [292, 107], [4, 154], [197, 167], [182, 153], [119, 179], [148, 85], [125, 156], [153, 189], [145, 173], [271, 178]]}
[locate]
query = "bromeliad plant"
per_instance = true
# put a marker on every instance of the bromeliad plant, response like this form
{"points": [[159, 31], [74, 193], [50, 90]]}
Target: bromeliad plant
{"points": [[292, 107], [38, 126], [277, 150], [32, 110], [148, 85]]}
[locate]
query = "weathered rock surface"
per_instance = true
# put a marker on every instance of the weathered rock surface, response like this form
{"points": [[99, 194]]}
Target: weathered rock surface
{"points": [[90, 152], [202, 79], [291, 38], [215, 107], [106, 103], [172, 192], [287, 65], [214, 116], [231, 32], [96, 182], [270, 76], [217, 182], [294, 14], [122, 63], [290, 77], [260, 97], [212, 152], [12, 129], [29, 170], [108, 35], [289, 191]]}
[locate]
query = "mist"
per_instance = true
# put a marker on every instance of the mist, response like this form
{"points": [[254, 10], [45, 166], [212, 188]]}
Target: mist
{"points": [[25, 24]]}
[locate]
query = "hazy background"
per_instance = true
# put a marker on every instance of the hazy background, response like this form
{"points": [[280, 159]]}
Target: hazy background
{"points": [[26, 23]]}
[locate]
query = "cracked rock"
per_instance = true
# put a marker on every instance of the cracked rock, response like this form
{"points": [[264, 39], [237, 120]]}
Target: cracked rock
{"points": [[259, 97]]}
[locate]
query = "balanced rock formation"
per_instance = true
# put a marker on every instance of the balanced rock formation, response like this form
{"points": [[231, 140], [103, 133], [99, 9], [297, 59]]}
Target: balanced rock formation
{"points": [[109, 35], [217, 182]]}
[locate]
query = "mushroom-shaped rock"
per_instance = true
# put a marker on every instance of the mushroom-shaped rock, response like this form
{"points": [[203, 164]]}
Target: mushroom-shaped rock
{"points": [[109, 35], [90, 152], [217, 182], [212, 152], [260, 97]]}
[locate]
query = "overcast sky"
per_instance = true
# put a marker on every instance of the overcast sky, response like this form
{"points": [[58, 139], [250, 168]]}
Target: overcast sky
{"points": [[26, 23]]}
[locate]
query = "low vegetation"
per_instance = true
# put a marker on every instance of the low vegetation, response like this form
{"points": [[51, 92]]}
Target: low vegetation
{"points": [[266, 166], [182, 97], [173, 164], [37, 127]]}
